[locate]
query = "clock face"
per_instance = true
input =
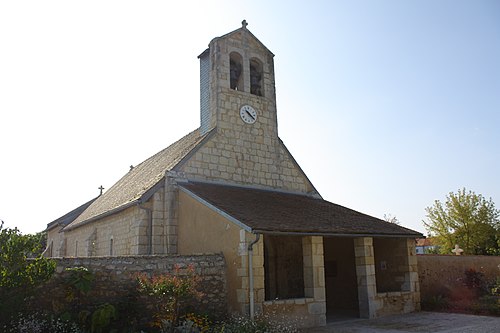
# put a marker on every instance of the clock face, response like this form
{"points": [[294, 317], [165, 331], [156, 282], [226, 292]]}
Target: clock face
{"points": [[248, 114]]}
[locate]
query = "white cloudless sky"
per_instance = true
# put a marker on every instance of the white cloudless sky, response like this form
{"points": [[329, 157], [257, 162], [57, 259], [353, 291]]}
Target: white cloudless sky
{"points": [[386, 105]]}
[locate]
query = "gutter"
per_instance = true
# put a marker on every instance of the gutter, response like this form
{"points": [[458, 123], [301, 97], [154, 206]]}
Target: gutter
{"points": [[250, 276], [326, 234]]}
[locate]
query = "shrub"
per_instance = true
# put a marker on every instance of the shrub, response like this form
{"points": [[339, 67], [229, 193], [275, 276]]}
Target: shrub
{"points": [[22, 268], [476, 280], [169, 294]]}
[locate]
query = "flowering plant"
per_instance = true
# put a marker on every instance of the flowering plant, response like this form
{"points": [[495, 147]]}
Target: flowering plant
{"points": [[168, 292]]}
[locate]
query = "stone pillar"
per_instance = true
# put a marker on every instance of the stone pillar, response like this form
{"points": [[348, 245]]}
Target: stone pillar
{"points": [[243, 293], [158, 220], [172, 215], [314, 277], [412, 274], [365, 272], [139, 230]]}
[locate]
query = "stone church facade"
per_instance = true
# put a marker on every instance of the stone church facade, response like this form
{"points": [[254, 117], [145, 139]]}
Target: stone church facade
{"points": [[232, 187]]}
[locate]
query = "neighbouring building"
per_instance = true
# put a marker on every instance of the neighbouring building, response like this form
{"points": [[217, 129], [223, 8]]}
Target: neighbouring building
{"points": [[425, 245], [232, 186]]}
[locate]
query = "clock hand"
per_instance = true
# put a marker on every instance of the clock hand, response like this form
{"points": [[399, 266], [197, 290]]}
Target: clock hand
{"points": [[248, 113]]}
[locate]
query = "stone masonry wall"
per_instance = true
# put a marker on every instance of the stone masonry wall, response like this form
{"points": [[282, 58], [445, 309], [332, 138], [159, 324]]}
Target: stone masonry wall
{"points": [[115, 280], [373, 304], [242, 159], [444, 274]]}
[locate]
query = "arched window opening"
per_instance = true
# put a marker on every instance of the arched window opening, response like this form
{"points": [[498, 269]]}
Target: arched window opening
{"points": [[236, 71], [256, 77]]}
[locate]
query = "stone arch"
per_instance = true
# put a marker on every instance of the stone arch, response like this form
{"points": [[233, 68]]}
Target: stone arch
{"points": [[256, 70], [236, 71]]}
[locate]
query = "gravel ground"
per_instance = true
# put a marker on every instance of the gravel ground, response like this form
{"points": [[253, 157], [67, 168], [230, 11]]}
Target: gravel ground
{"points": [[415, 322]]}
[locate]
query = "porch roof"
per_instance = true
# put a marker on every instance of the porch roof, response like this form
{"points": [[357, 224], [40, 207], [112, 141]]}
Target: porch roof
{"points": [[270, 211]]}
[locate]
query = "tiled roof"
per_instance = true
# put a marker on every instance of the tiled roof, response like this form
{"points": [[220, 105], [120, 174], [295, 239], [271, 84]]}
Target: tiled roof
{"points": [[425, 241], [131, 188], [69, 217], [266, 211]]}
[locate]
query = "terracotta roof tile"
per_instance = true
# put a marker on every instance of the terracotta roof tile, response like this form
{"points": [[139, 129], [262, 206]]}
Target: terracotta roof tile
{"points": [[271, 211]]}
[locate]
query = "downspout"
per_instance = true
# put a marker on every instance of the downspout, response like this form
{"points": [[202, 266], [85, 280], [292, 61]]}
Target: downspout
{"points": [[250, 275], [150, 227]]}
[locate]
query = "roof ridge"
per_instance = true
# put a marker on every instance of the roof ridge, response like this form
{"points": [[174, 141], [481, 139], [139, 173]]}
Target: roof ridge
{"points": [[136, 182]]}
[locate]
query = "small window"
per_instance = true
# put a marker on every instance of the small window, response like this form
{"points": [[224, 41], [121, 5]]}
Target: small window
{"points": [[256, 77], [111, 246], [236, 71]]}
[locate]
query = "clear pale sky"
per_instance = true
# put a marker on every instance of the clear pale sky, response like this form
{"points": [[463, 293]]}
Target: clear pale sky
{"points": [[386, 105]]}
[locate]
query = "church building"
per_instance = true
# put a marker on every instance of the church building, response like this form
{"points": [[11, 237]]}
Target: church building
{"points": [[231, 186]]}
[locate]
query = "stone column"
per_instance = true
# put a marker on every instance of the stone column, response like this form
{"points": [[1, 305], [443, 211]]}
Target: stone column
{"points": [[314, 277], [158, 220], [412, 274], [365, 272], [243, 273], [172, 215]]}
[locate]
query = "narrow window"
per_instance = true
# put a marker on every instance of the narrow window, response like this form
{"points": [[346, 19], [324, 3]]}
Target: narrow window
{"points": [[256, 77], [76, 249], [236, 71], [111, 246]]}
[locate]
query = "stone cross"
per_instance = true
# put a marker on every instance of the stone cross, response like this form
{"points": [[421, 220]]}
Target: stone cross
{"points": [[244, 24], [100, 188], [458, 251]]}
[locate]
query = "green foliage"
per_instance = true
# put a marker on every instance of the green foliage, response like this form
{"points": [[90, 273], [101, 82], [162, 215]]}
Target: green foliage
{"points": [[80, 279], [22, 268], [168, 292], [102, 317], [495, 287], [466, 219], [476, 280], [486, 305], [16, 271]]}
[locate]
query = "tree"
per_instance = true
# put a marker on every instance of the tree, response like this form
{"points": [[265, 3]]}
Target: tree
{"points": [[22, 268], [391, 219], [466, 219]]}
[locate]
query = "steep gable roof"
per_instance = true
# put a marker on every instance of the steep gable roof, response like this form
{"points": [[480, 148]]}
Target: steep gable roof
{"points": [[136, 185], [69, 217], [243, 31], [265, 211]]}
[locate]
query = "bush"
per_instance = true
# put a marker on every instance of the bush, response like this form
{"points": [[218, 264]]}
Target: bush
{"points": [[22, 268], [169, 294]]}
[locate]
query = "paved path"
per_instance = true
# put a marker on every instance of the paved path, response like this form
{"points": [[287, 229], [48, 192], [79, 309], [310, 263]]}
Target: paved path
{"points": [[416, 322]]}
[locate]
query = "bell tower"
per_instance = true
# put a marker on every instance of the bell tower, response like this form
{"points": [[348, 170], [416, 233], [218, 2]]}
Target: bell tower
{"points": [[237, 87]]}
